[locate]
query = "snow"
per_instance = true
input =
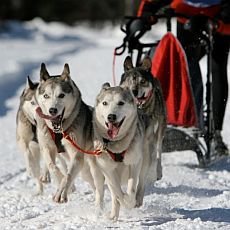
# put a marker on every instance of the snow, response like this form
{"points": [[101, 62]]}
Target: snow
{"points": [[187, 197]]}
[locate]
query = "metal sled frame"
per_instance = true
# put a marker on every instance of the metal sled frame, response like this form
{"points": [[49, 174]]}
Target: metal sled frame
{"points": [[178, 138]]}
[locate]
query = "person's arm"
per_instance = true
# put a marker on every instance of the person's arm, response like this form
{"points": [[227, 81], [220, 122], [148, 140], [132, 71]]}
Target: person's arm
{"points": [[150, 7], [224, 18]]}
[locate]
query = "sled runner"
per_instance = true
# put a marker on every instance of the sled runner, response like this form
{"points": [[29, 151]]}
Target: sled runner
{"points": [[169, 65]]}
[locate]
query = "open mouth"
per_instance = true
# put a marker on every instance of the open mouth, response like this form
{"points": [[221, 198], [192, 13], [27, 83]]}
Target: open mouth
{"points": [[143, 99], [55, 120], [113, 128]]}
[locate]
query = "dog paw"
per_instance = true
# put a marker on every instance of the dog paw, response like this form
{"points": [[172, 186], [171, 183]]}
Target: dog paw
{"points": [[60, 197], [129, 201], [113, 217], [98, 145], [45, 178]]}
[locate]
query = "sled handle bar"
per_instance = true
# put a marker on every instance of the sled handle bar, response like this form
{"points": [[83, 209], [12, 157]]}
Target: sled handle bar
{"points": [[141, 25]]}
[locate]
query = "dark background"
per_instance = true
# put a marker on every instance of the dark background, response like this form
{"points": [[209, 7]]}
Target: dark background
{"points": [[67, 11]]}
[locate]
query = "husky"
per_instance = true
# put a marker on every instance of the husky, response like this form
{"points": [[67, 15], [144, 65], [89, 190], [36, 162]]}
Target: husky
{"points": [[149, 98], [26, 135], [119, 133], [62, 114]]}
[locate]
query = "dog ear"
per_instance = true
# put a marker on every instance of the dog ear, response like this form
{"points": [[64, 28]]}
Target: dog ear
{"points": [[30, 84], [66, 72], [147, 64], [44, 75], [128, 64], [106, 85]]}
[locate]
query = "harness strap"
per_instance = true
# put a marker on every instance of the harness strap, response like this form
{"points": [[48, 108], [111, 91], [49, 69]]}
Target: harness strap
{"points": [[57, 140], [118, 157], [68, 138]]}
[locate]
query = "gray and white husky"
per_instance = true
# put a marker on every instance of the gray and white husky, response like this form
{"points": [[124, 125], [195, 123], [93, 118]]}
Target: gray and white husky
{"points": [[26, 134], [119, 133], [149, 97], [64, 119]]}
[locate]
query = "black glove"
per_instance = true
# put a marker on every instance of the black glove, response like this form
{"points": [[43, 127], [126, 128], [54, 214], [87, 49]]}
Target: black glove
{"points": [[197, 24]]}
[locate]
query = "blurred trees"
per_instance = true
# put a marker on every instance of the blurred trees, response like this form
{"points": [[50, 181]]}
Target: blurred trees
{"points": [[68, 11]]}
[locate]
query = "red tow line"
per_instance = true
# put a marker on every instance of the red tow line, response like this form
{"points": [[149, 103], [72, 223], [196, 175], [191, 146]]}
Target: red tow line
{"points": [[114, 60], [68, 138]]}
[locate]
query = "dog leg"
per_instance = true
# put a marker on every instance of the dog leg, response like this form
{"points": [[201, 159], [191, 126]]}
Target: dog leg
{"points": [[76, 165], [130, 198], [49, 157], [99, 180], [159, 142], [48, 149], [144, 172], [35, 165], [114, 183], [65, 160], [45, 175], [115, 209]]}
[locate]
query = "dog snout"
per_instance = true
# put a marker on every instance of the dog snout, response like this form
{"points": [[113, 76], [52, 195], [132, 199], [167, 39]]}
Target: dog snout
{"points": [[112, 117], [135, 92], [53, 111]]}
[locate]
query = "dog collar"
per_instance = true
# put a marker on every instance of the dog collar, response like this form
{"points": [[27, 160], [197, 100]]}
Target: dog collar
{"points": [[117, 157]]}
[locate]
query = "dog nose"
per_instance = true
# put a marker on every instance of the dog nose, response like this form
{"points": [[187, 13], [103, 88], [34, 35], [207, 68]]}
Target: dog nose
{"points": [[53, 111], [112, 117], [135, 92]]}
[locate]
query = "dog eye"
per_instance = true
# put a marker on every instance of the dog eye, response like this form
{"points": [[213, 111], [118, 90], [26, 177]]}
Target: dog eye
{"points": [[142, 81], [120, 103], [104, 103], [62, 95], [32, 103], [46, 96]]}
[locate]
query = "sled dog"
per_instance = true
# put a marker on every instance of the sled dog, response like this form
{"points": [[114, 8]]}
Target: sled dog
{"points": [[64, 119], [149, 98], [119, 133], [26, 134]]}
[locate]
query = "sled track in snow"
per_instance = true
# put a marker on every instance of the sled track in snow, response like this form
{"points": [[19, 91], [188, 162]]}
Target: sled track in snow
{"points": [[10, 176]]}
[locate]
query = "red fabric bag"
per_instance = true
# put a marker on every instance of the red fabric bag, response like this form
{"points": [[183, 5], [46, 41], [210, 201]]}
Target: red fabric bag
{"points": [[169, 65]]}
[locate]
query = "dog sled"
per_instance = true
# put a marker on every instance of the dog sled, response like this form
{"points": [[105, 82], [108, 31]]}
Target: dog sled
{"points": [[169, 65]]}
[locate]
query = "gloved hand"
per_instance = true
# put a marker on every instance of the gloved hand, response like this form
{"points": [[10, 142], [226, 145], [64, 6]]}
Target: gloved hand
{"points": [[198, 23]]}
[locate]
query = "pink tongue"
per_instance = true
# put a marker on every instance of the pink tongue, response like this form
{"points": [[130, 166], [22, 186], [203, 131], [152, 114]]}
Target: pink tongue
{"points": [[112, 130]]}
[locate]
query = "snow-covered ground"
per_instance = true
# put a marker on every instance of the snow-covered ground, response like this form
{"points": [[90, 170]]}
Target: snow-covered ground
{"points": [[187, 197]]}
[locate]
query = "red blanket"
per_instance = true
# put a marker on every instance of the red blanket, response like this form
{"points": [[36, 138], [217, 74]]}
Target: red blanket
{"points": [[169, 65]]}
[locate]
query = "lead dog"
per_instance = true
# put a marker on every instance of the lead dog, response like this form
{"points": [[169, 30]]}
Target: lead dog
{"points": [[149, 98], [63, 118], [26, 134], [119, 133]]}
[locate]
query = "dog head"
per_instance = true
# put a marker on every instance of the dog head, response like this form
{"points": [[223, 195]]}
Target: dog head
{"points": [[138, 79], [56, 95], [27, 99], [115, 110]]}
